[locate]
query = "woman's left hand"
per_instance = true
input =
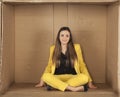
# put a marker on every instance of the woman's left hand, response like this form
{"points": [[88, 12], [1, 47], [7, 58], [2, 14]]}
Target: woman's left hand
{"points": [[91, 85]]}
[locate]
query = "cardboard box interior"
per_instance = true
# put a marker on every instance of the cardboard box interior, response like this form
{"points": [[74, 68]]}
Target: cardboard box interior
{"points": [[28, 30]]}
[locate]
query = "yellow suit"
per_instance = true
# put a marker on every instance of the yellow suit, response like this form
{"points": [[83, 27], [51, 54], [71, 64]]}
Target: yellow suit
{"points": [[62, 81]]}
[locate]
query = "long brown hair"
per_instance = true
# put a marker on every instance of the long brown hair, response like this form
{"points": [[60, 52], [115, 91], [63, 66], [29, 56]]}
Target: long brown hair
{"points": [[70, 53]]}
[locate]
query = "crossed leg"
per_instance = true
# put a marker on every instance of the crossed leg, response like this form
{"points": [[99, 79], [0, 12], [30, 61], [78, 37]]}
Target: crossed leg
{"points": [[66, 82]]}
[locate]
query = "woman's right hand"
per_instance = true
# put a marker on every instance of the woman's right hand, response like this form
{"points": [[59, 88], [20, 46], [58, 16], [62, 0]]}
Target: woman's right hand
{"points": [[40, 84]]}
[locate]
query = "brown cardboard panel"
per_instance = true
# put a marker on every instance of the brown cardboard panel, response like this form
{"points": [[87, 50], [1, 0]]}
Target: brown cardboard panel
{"points": [[119, 52], [48, 1], [88, 24], [7, 46], [0, 45], [28, 90], [33, 37], [112, 46]]}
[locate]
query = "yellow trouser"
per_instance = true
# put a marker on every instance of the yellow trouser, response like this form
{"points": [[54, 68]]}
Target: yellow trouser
{"points": [[62, 81]]}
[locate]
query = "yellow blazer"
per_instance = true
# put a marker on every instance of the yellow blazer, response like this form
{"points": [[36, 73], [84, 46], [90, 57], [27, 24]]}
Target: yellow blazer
{"points": [[79, 64]]}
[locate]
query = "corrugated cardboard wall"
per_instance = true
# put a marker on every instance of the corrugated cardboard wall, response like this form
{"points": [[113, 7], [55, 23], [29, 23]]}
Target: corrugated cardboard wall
{"points": [[8, 47], [112, 46], [33, 37]]}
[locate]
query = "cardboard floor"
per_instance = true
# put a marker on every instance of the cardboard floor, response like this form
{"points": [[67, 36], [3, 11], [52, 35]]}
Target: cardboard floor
{"points": [[28, 90]]}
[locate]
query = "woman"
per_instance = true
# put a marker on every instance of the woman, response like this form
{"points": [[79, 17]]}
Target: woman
{"points": [[66, 69]]}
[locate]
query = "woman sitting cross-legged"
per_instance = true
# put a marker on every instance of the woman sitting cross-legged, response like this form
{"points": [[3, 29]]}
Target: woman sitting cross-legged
{"points": [[66, 69]]}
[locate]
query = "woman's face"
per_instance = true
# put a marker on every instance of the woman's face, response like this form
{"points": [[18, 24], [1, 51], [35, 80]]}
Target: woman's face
{"points": [[64, 37]]}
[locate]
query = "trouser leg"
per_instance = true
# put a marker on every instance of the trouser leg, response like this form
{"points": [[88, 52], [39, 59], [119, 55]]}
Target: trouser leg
{"points": [[62, 81], [78, 80], [53, 81]]}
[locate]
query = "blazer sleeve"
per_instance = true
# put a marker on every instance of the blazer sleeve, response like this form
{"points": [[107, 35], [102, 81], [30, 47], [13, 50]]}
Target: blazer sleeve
{"points": [[82, 65], [48, 68]]}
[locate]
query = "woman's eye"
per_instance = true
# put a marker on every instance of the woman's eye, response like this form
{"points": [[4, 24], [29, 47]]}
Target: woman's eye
{"points": [[62, 35], [67, 35]]}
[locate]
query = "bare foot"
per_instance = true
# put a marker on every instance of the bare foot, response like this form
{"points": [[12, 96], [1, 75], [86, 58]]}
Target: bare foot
{"points": [[79, 89], [75, 89]]}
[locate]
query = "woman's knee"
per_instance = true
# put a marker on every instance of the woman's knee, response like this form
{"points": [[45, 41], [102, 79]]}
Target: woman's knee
{"points": [[83, 77], [46, 76]]}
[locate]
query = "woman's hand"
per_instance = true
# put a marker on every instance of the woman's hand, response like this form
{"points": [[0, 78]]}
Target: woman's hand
{"points": [[91, 85], [40, 84]]}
